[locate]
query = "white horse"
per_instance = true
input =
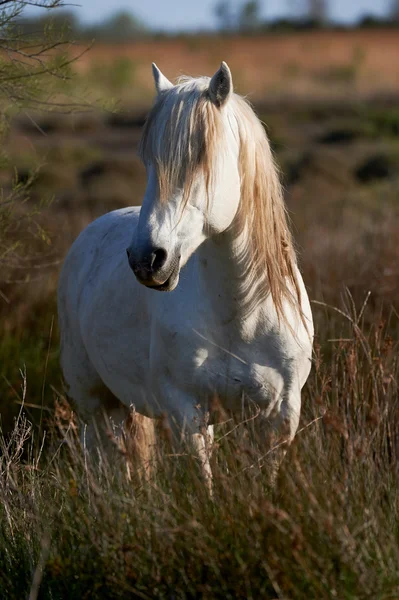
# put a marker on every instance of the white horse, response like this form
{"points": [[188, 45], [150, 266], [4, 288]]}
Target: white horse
{"points": [[212, 232]]}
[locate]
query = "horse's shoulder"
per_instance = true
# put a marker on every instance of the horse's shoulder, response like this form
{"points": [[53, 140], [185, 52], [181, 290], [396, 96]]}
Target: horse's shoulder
{"points": [[113, 226], [98, 244], [115, 218]]}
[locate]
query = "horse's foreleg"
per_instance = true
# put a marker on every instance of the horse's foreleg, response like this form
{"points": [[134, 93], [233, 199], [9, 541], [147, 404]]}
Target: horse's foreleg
{"points": [[186, 420], [278, 433], [203, 444], [192, 426], [141, 443]]}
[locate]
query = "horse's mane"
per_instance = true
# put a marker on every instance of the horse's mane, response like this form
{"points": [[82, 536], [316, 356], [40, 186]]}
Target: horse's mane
{"points": [[183, 133]]}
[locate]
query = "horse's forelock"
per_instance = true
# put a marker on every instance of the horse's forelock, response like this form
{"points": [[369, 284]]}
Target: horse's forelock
{"points": [[182, 134]]}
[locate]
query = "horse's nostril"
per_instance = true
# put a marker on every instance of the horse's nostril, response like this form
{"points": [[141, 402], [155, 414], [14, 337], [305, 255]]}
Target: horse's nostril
{"points": [[128, 252], [158, 259]]}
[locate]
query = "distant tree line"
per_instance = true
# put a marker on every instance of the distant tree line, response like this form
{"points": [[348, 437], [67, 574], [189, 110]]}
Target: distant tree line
{"points": [[247, 18], [303, 14]]}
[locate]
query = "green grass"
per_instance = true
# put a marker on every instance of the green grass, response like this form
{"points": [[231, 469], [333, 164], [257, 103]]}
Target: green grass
{"points": [[32, 352]]}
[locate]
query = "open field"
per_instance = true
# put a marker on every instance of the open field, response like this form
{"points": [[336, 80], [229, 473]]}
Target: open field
{"points": [[324, 64], [329, 101]]}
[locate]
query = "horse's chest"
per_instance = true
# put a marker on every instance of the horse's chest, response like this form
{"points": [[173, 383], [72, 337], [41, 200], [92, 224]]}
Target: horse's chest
{"points": [[203, 367], [231, 377], [225, 374]]}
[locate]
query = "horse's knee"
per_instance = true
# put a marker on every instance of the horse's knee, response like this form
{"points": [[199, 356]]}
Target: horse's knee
{"points": [[284, 423], [278, 433]]}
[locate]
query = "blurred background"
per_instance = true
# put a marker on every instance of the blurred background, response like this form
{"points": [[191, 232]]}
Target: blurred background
{"points": [[322, 75]]}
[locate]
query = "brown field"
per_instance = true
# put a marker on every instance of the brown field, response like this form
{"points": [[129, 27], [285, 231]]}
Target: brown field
{"points": [[324, 64]]}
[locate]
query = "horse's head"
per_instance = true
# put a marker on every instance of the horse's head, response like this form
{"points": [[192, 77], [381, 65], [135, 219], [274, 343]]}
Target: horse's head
{"points": [[190, 148]]}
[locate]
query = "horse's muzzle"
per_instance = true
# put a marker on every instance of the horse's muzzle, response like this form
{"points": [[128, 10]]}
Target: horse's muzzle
{"points": [[154, 270]]}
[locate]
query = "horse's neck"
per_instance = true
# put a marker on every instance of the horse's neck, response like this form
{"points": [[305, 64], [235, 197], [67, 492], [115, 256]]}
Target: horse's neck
{"points": [[235, 295]]}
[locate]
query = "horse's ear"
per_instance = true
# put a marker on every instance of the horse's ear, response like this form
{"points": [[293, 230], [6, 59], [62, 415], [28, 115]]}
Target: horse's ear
{"points": [[221, 85], [162, 83]]}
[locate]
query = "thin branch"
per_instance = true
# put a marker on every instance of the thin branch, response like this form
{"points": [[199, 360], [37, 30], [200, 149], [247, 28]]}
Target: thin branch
{"points": [[48, 71], [31, 119], [48, 5], [338, 310]]}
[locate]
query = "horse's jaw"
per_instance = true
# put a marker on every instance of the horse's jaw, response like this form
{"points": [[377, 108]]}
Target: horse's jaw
{"points": [[167, 286]]}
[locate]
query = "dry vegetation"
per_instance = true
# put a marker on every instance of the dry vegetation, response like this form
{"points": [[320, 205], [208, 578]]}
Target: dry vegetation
{"points": [[72, 529], [323, 64]]}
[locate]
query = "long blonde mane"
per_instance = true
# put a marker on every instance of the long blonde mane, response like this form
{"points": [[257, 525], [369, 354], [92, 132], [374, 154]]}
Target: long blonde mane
{"points": [[182, 135]]}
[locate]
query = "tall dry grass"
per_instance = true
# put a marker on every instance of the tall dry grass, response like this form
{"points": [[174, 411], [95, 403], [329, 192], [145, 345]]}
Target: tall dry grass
{"points": [[74, 526]]}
